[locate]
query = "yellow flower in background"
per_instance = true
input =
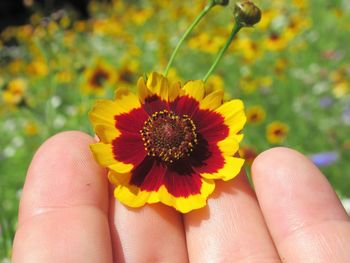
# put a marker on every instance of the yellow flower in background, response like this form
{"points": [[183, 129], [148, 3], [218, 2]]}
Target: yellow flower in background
{"points": [[214, 83], [80, 26], [168, 144], [31, 128], [52, 27], [65, 21], [111, 27], [69, 38], [207, 42], [141, 16], [64, 76], [340, 89], [16, 66], [125, 75], [38, 67], [276, 132], [301, 4], [276, 42], [250, 84], [255, 114], [248, 153], [97, 77], [173, 76], [248, 49], [340, 82], [267, 18], [15, 91], [281, 66]]}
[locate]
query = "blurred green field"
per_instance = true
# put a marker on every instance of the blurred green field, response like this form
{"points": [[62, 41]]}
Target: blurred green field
{"points": [[292, 70]]}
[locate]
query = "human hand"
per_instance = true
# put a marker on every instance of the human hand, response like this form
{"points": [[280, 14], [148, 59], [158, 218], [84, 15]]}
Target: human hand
{"points": [[68, 214]]}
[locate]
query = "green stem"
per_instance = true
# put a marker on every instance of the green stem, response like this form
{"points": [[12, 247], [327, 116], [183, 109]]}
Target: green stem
{"points": [[206, 9], [235, 30]]}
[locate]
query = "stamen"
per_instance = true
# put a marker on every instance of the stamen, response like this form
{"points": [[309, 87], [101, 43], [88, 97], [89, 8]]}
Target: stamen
{"points": [[169, 136]]}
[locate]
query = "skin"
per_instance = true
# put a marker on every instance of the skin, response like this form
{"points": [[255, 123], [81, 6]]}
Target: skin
{"points": [[68, 214]]}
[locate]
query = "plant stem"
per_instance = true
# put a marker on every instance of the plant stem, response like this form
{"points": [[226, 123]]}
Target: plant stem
{"points": [[235, 30], [188, 31]]}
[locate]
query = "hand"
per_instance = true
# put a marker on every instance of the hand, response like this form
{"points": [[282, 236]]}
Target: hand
{"points": [[68, 214]]}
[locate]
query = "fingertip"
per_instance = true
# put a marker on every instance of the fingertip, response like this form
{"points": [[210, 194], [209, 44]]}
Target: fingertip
{"points": [[63, 171], [275, 158], [292, 192]]}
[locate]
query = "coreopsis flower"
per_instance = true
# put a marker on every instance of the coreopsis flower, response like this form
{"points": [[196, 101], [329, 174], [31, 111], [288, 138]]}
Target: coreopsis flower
{"points": [[255, 114], [97, 77], [14, 92], [276, 132], [168, 143], [248, 153]]}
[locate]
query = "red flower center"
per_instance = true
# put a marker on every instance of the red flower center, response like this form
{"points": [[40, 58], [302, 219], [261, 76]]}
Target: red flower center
{"points": [[98, 78], [169, 136]]}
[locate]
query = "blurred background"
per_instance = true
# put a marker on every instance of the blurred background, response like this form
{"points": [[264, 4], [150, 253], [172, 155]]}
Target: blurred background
{"points": [[56, 57]]}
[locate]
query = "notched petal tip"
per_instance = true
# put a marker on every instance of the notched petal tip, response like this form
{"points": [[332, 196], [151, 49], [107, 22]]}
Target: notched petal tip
{"points": [[194, 89]]}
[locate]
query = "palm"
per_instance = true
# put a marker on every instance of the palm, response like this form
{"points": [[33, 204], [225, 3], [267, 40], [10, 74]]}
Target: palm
{"points": [[67, 215]]}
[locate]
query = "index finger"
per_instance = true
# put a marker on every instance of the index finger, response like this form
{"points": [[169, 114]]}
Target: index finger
{"points": [[63, 211]]}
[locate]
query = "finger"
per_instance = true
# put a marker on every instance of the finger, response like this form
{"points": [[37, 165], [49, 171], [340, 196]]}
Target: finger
{"points": [[63, 210], [231, 228], [153, 233], [303, 213]]}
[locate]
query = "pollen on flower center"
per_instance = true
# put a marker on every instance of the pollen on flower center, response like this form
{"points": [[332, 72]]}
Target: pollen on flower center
{"points": [[169, 136]]}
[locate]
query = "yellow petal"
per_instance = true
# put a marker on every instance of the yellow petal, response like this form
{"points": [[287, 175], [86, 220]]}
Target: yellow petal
{"points": [[142, 90], [194, 89], [212, 101], [174, 91], [126, 100], [239, 137], [187, 204], [233, 113], [229, 146], [103, 113], [133, 196], [158, 84], [106, 133], [103, 154], [118, 178], [232, 167]]}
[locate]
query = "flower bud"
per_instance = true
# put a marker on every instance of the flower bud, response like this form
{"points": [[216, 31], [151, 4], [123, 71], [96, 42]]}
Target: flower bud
{"points": [[221, 2], [247, 13]]}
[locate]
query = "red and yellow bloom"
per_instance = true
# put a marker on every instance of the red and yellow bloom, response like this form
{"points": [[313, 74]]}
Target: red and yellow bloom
{"points": [[168, 143], [276, 132]]}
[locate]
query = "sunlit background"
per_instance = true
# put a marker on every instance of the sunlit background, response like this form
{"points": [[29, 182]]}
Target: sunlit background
{"points": [[292, 70]]}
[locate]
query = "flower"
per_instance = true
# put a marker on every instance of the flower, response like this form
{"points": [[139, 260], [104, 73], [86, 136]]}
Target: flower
{"points": [[15, 91], [126, 74], [255, 114], [248, 153], [276, 132], [324, 158], [97, 77], [168, 143]]}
